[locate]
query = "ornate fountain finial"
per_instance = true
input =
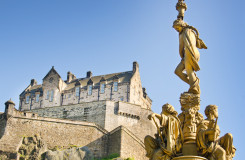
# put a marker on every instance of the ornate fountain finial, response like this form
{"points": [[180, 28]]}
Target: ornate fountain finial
{"points": [[181, 7]]}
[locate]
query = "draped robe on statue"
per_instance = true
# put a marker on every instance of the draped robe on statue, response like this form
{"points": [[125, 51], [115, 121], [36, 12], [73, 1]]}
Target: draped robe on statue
{"points": [[191, 54], [220, 149], [171, 134]]}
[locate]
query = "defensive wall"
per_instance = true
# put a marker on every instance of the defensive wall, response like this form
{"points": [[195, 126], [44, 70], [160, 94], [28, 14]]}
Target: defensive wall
{"points": [[14, 125], [107, 114]]}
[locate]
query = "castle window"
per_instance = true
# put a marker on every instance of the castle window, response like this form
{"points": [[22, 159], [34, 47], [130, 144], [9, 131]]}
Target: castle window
{"points": [[37, 97], [86, 113], [77, 91], [47, 95], [27, 99], [121, 98], [52, 96], [115, 86], [102, 88], [90, 90]]}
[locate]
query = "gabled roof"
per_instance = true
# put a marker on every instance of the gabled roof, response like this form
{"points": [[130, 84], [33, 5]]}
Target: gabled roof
{"points": [[90, 81], [115, 77], [52, 70], [102, 79], [32, 90], [122, 77], [77, 83]]}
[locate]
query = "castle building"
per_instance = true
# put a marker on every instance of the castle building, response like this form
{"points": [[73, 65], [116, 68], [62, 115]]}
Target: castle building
{"points": [[123, 86], [108, 114]]}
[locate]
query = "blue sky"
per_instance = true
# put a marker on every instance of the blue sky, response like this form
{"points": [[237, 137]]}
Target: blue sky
{"points": [[106, 36]]}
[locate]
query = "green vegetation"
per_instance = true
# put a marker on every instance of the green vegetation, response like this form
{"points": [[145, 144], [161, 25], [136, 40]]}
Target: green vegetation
{"points": [[113, 157], [72, 146]]}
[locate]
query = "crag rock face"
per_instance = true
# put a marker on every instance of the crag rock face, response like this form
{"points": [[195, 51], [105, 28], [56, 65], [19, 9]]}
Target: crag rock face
{"points": [[72, 153], [32, 148]]}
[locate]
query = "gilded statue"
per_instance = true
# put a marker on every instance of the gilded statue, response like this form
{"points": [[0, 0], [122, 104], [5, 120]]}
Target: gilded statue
{"points": [[208, 141], [168, 141], [189, 41]]}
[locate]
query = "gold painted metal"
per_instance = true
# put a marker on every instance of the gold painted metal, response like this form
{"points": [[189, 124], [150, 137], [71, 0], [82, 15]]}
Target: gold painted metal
{"points": [[188, 136], [208, 141], [189, 41], [189, 158], [169, 138]]}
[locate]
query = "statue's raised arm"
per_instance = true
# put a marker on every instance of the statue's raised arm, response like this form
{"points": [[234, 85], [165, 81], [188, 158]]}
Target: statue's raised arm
{"points": [[169, 139]]}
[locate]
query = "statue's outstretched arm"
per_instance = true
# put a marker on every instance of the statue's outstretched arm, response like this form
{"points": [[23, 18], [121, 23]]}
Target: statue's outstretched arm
{"points": [[153, 115]]}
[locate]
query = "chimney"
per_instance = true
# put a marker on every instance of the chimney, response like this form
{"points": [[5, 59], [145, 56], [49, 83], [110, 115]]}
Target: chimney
{"points": [[70, 76], [9, 108], [135, 66], [33, 82], [144, 92], [89, 74]]}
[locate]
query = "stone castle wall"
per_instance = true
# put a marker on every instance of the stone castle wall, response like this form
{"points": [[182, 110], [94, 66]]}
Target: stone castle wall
{"points": [[133, 117], [55, 132], [66, 133], [129, 144], [90, 112], [107, 114]]}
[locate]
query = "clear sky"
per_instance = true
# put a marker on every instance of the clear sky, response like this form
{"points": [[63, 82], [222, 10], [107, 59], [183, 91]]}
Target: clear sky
{"points": [[106, 36]]}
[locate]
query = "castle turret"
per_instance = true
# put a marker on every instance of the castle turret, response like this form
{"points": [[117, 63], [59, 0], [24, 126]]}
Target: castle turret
{"points": [[9, 108]]}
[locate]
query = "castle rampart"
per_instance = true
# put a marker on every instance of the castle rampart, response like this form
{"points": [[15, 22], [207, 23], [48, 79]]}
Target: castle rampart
{"points": [[14, 125], [107, 114]]}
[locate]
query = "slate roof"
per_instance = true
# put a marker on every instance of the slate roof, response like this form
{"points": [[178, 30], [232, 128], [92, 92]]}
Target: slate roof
{"points": [[122, 77], [52, 70], [32, 90]]}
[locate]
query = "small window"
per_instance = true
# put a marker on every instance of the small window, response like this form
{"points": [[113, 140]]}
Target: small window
{"points": [[27, 99], [90, 90], [47, 95], [115, 86], [86, 111], [102, 88], [121, 98], [37, 97], [69, 96], [77, 91], [52, 96]]}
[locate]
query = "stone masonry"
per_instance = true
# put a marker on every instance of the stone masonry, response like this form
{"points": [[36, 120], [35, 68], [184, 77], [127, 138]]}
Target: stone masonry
{"points": [[64, 133], [123, 86], [107, 113]]}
